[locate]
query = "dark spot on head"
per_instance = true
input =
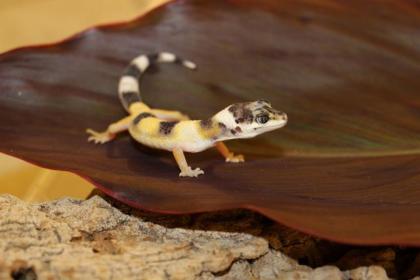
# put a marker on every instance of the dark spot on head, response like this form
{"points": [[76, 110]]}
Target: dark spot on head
{"points": [[141, 116], [233, 108], [166, 127], [238, 129], [270, 110], [248, 116], [222, 126], [206, 124], [241, 113], [262, 101], [233, 131]]}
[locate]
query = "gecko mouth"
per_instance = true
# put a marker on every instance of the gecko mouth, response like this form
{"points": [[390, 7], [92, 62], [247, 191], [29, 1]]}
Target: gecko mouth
{"points": [[279, 122], [270, 127]]}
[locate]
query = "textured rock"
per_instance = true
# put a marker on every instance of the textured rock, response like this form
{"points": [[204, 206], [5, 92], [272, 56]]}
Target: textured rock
{"points": [[91, 239], [79, 239], [369, 273]]}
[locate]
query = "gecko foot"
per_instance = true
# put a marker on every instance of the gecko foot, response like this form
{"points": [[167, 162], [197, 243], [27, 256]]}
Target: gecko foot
{"points": [[99, 137], [235, 158], [191, 172]]}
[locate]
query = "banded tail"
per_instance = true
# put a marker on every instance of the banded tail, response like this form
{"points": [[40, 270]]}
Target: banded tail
{"points": [[129, 88]]}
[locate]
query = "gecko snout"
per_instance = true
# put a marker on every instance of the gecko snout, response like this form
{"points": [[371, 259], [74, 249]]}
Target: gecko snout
{"points": [[282, 117]]}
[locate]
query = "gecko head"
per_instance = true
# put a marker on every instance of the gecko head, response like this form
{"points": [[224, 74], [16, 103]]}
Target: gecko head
{"points": [[249, 119]]}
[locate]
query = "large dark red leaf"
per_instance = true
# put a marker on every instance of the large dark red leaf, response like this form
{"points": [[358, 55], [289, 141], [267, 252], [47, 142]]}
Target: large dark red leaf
{"points": [[347, 166]]}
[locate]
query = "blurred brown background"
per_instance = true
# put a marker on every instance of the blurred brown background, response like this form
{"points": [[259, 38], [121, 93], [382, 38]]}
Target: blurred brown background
{"points": [[28, 22]]}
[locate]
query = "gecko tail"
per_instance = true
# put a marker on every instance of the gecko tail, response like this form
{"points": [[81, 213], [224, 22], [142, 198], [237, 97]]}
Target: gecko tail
{"points": [[129, 87]]}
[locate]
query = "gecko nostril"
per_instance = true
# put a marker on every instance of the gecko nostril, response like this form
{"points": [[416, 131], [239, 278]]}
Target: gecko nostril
{"points": [[284, 117]]}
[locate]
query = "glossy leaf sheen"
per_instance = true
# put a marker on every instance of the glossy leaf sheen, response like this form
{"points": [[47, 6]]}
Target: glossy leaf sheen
{"points": [[345, 168]]}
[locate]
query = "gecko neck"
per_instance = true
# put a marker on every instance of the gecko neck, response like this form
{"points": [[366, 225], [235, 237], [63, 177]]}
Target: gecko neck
{"points": [[218, 130], [214, 130]]}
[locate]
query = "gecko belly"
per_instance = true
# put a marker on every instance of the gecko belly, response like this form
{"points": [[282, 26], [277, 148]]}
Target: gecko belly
{"points": [[188, 142]]}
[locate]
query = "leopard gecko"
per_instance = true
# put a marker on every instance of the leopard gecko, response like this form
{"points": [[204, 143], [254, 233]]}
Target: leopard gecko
{"points": [[174, 131]]}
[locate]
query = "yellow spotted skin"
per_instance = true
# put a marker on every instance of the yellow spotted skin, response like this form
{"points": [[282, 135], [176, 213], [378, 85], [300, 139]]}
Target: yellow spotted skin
{"points": [[147, 128], [173, 131], [167, 135]]}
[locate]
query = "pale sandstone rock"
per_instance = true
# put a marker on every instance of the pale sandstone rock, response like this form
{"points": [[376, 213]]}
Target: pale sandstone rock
{"points": [[367, 273], [275, 265], [327, 272], [91, 239], [73, 239]]}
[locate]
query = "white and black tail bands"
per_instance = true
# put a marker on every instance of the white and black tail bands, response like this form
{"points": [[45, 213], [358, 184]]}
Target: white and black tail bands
{"points": [[129, 89]]}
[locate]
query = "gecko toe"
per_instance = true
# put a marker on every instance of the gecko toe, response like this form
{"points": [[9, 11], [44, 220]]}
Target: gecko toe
{"points": [[191, 172], [235, 159]]}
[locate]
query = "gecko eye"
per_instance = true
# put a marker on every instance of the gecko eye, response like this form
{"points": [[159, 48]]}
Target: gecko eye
{"points": [[262, 119]]}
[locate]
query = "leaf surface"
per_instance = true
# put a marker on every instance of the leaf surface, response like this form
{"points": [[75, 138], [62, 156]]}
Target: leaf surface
{"points": [[346, 167]]}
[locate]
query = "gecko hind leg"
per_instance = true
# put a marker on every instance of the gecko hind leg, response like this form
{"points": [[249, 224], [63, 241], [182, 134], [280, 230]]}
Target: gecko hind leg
{"points": [[229, 156], [109, 134], [186, 170]]}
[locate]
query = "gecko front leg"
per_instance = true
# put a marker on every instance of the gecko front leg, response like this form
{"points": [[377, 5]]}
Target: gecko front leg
{"points": [[111, 132], [186, 170], [229, 156]]}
